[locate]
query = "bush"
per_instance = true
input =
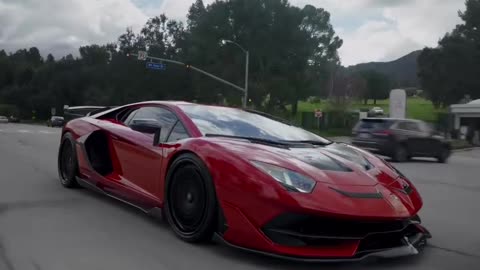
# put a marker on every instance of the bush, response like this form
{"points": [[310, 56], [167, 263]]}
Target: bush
{"points": [[8, 110]]}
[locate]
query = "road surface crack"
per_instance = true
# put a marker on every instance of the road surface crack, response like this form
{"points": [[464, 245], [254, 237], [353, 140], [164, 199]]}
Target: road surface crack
{"points": [[458, 252]]}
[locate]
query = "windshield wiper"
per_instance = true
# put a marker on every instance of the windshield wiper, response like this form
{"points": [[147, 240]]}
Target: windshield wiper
{"points": [[254, 140]]}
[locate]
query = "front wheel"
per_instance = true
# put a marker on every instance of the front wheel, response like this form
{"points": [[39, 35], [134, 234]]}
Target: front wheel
{"points": [[190, 201]]}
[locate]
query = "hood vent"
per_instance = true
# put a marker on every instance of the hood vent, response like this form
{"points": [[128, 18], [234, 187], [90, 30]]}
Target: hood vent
{"points": [[373, 195]]}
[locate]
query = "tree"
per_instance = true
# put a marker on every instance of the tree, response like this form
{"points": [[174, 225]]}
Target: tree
{"points": [[291, 50], [377, 86], [50, 59], [449, 72]]}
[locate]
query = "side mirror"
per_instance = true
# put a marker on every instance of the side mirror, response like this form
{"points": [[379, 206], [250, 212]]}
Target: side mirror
{"points": [[149, 126]]}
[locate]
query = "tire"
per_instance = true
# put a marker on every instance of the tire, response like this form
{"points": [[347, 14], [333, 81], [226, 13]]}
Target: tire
{"points": [[400, 154], [67, 162], [190, 200], [444, 154]]}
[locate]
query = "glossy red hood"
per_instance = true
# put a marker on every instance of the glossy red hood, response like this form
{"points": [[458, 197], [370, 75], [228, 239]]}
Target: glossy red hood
{"points": [[335, 164]]}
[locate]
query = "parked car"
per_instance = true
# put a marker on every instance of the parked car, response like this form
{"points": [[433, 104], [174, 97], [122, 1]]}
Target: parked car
{"points": [[3, 119], [375, 111], [401, 139], [13, 119], [56, 121]]}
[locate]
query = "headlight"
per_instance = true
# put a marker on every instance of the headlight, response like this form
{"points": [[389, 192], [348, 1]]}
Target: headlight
{"points": [[289, 179]]}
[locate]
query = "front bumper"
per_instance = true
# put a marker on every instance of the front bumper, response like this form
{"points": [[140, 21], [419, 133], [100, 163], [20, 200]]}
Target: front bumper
{"points": [[411, 247], [304, 238]]}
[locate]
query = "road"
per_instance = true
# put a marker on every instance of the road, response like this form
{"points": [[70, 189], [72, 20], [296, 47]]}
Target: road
{"points": [[44, 226]]}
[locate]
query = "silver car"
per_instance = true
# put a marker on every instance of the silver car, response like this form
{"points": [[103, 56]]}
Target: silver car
{"points": [[3, 119]]}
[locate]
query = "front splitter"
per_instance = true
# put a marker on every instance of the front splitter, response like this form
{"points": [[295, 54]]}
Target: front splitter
{"points": [[411, 247]]}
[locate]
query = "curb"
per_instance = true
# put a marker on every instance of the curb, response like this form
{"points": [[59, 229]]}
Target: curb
{"points": [[466, 149]]}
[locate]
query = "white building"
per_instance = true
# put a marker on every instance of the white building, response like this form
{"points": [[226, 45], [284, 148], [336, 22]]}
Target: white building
{"points": [[465, 116]]}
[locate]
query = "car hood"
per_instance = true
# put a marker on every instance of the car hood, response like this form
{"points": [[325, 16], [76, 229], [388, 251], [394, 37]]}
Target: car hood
{"points": [[336, 164]]}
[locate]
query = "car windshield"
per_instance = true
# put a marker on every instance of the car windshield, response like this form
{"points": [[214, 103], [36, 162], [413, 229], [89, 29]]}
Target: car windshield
{"points": [[237, 122]]}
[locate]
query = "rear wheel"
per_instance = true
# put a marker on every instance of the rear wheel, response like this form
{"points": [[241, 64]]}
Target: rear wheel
{"points": [[443, 155], [190, 201], [400, 154], [67, 162]]}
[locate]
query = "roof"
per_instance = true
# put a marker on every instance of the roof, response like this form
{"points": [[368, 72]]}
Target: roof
{"points": [[475, 102], [473, 107]]}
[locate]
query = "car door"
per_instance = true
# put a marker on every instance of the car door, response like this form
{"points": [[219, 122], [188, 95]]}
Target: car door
{"points": [[139, 159], [429, 145], [416, 138]]}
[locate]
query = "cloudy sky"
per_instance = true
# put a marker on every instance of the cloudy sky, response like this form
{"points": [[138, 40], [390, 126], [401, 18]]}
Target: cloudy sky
{"points": [[372, 30]]}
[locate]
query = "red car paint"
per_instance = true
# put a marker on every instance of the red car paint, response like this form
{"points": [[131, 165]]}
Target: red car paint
{"points": [[248, 197]]}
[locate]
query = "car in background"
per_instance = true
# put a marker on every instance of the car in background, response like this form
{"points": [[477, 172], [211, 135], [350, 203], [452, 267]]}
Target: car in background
{"points": [[375, 111], [3, 119], [56, 121], [13, 119], [400, 139]]}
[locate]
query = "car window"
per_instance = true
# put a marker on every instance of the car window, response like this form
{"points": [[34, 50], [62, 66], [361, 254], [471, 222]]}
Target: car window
{"points": [[402, 125], [178, 133], [412, 126], [165, 118]]}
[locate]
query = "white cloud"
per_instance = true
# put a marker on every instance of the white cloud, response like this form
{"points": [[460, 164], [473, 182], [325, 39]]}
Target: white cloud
{"points": [[404, 28], [372, 30], [373, 41], [61, 26]]}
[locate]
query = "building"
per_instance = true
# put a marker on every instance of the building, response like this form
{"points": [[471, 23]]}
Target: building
{"points": [[466, 119]]}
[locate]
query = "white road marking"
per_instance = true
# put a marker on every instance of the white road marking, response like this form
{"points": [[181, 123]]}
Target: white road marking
{"points": [[24, 131], [46, 132]]}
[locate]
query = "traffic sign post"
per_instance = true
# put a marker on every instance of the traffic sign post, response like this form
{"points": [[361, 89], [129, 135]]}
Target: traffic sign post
{"points": [[318, 115]]}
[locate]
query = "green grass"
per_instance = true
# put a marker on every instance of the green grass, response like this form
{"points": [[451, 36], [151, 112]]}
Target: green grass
{"points": [[417, 108]]}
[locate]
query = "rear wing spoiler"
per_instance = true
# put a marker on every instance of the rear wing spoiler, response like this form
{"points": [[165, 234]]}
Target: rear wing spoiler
{"points": [[82, 111]]}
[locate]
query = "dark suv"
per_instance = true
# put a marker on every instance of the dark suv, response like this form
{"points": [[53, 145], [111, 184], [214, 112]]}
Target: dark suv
{"points": [[400, 139]]}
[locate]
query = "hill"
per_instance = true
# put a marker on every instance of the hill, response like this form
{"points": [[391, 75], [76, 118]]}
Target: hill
{"points": [[402, 72]]}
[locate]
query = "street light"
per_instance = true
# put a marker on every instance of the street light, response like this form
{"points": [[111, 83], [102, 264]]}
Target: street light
{"points": [[247, 56]]}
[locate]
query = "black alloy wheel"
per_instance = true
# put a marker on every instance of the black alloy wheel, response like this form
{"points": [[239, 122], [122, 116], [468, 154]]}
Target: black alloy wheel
{"points": [[67, 162], [190, 199]]}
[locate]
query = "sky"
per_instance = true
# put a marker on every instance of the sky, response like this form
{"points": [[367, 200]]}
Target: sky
{"points": [[372, 30]]}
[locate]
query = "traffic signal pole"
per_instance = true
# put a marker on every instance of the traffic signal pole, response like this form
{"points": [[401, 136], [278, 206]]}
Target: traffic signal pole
{"points": [[143, 56]]}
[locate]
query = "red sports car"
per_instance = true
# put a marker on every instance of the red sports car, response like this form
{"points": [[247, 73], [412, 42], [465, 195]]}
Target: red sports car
{"points": [[247, 178]]}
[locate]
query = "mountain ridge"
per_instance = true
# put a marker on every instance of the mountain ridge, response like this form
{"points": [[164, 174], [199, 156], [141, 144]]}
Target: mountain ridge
{"points": [[402, 71]]}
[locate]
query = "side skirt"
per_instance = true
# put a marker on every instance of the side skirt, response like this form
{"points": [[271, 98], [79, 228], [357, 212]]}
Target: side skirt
{"points": [[155, 212]]}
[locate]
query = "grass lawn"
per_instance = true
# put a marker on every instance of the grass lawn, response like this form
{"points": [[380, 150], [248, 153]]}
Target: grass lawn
{"points": [[417, 108]]}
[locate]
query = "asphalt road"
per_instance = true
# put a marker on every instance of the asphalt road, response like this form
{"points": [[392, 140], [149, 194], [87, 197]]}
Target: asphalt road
{"points": [[44, 226]]}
